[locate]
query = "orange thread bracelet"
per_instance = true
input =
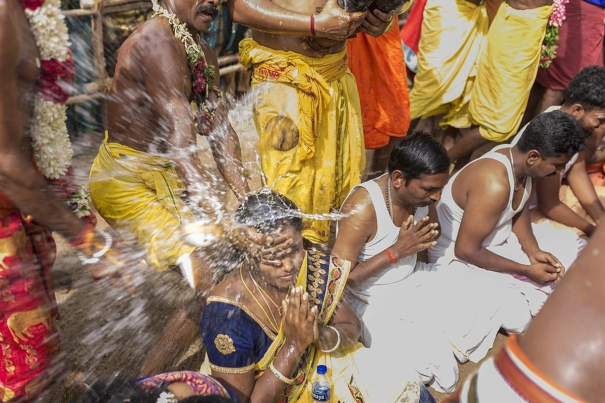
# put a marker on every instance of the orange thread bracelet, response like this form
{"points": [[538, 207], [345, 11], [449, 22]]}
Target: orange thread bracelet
{"points": [[313, 24], [84, 238], [390, 255]]}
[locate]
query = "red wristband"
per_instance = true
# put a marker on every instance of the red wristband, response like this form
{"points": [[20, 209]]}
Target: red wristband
{"points": [[313, 24], [390, 255]]}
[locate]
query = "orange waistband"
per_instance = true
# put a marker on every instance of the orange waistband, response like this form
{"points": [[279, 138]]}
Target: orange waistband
{"points": [[516, 369]]}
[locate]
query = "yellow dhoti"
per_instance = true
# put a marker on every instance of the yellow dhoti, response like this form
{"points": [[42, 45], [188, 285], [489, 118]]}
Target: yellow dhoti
{"points": [[450, 42], [138, 194], [507, 68], [308, 117], [475, 73]]}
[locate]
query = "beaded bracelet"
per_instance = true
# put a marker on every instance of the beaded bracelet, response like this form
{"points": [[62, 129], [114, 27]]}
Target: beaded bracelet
{"points": [[281, 377], [337, 341]]}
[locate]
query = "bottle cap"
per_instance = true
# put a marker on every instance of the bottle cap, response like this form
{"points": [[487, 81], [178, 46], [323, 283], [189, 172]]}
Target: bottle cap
{"points": [[322, 369]]}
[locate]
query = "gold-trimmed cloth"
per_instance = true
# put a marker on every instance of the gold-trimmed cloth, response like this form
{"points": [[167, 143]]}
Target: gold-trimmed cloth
{"points": [[316, 103], [355, 372]]}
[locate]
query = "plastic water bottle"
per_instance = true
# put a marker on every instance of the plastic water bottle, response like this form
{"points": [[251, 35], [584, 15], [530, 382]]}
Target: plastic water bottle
{"points": [[321, 385]]}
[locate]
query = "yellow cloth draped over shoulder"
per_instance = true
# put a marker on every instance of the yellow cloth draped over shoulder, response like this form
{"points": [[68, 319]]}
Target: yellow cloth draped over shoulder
{"points": [[308, 117], [356, 375], [138, 194], [475, 73]]}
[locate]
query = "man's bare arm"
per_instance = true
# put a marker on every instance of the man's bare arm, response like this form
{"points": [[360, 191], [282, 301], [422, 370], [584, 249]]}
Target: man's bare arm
{"points": [[165, 67], [550, 204], [553, 343], [354, 230], [264, 15], [484, 204], [583, 188], [223, 140], [18, 179], [594, 155]]}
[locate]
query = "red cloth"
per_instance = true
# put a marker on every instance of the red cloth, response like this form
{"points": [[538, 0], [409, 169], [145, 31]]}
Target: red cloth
{"points": [[379, 69], [410, 35], [580, 44], [29, 340]]}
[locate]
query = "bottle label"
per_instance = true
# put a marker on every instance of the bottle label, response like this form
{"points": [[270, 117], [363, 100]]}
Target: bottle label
{"points": [[321, 394]]}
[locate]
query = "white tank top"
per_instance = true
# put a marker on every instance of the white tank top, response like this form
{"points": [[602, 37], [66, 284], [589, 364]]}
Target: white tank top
{"points": [[450, 214], [386, 236]]}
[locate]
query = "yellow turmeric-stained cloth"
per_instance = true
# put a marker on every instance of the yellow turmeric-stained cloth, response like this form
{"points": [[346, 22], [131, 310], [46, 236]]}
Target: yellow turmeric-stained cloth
{"points": [[451, 38], [507, 68], [308, 117], [379, 69], [138, 194]]}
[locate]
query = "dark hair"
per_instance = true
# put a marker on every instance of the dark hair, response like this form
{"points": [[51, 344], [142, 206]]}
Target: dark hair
{"points": [[553, 134], [587, 88], [267, 211], [418, 154]]}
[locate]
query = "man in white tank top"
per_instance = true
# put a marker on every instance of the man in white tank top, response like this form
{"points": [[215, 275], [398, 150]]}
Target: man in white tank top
{"points": [[486, 235], [583, 208], [406, 307]]}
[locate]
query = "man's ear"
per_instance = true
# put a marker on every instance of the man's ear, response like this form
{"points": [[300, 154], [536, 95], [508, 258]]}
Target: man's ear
{"points": [[398, 179], [577, 111], [533, 157]]}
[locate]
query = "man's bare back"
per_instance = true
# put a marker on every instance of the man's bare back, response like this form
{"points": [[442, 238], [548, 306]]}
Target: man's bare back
{"points": [[134, 121]]}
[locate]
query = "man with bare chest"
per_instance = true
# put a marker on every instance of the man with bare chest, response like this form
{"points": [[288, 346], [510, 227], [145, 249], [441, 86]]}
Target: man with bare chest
{"points": [[307, 112], [147, 179], [28, 337]]}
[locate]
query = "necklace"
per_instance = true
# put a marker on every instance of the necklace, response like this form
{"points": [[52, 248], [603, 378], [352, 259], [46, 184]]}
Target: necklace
{"points": [[387, 190], [273, 323], [512, 161], [263, 294], [203, 74]]}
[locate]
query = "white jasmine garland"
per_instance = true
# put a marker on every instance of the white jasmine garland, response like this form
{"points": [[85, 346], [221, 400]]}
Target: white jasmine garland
{"points": [[50, 141]]}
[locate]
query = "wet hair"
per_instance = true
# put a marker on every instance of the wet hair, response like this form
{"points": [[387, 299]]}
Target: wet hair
{"points": [[418, 154], [587, 88], [553, 134], [268, 211]]}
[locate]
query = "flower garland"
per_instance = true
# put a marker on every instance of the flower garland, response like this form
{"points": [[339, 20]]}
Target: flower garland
{"points": [[203, 74], [50, 140], [549, 45]]}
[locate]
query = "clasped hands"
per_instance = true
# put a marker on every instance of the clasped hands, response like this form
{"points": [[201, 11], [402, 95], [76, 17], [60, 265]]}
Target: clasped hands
{"points": [[544, 268], [333, 22]]}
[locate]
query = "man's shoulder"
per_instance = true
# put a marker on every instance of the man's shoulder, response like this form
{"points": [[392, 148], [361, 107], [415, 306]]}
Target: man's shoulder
{"points": [[487, 175], [359, 199], [153, 37]]}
